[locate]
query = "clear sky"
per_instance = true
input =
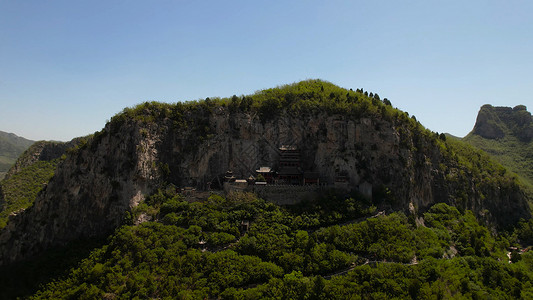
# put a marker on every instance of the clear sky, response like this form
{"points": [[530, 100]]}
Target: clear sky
{"points": [[68, 66]]}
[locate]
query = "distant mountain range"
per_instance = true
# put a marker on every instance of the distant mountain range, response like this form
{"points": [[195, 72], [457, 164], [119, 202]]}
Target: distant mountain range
{"points": [[11, 147]]}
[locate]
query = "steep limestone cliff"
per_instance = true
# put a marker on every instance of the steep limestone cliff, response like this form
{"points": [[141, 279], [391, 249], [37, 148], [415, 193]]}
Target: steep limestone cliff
{"points": [[497, 122], [507, 135], [369, 143], [87, 197]]}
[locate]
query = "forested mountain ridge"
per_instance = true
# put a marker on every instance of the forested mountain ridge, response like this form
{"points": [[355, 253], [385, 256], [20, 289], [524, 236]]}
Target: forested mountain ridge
{"points": [[353, 135], [11, 146], [506, 134]]}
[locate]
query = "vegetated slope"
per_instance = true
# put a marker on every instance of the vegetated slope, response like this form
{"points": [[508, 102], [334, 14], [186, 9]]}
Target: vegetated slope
{"points": [[202, 250], [19, 191], [28, 175], [507, 135], [42, 151], [11, 146], [379, 151]]}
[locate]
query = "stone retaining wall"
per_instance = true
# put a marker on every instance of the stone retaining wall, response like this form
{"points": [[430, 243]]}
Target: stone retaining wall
{"points": [[286, 194]]}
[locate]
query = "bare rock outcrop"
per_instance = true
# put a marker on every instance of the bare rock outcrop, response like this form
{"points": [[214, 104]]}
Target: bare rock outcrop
{"points": [[497, 122]]}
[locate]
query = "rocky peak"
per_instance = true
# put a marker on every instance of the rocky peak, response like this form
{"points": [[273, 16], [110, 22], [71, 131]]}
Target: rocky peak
{"points": [[494, 122]]}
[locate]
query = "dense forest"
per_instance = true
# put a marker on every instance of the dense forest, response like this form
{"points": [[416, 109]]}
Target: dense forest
{"points": [[334, 248]]}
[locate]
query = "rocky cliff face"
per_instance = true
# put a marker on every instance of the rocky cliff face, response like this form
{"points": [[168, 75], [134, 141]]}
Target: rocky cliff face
{"points": [[87, 197], [496, 122], [404, 167], [507, 135]]}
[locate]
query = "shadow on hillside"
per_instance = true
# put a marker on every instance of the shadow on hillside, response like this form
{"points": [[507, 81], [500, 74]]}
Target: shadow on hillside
{"points": [[22, 279]]}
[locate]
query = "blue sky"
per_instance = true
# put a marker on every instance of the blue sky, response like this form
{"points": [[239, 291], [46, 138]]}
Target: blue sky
{"points": [[68, 66]]}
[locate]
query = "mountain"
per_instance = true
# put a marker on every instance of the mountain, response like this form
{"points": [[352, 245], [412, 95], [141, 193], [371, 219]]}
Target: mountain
{"points": [[499, 122], [11, 146], [306, 190], [28, 175], [507, 135], [350, 141], [241, 247]]}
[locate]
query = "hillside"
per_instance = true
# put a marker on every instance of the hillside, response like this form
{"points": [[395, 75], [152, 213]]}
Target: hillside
{"points": [[201, 251], [11, 146], [346, 180], [507, 135], [28, 175]]}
